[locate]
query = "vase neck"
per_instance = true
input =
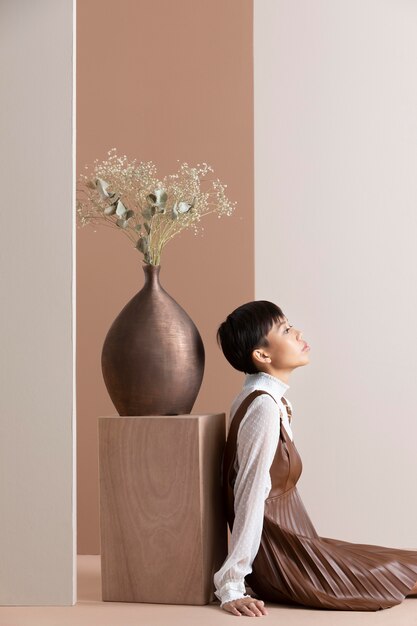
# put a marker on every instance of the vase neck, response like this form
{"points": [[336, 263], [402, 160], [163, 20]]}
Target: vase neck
{"points": [[152, 276]]}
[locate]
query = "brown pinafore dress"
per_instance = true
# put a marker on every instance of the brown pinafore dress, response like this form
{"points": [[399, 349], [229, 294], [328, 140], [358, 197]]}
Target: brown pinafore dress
{"points": [[296, 566]]}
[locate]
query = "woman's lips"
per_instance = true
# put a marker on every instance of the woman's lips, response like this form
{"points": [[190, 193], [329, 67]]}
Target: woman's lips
{"points": [[306, 347]]}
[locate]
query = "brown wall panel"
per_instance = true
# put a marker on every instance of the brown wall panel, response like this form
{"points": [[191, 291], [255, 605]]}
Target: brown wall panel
{"points": [[162, 81]]}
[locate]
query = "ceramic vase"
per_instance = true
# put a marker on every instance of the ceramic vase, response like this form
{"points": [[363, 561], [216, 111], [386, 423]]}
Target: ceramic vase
{"points": [[153, 355]]}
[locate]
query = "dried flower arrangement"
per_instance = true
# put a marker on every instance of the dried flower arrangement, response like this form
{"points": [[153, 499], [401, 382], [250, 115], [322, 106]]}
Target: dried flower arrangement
{"points": [[127, 195]]}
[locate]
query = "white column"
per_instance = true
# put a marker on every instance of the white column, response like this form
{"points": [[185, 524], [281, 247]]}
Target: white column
{"points": [[335, 247], [37, 408]]}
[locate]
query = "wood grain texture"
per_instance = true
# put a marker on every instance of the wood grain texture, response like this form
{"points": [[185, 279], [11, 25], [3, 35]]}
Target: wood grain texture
{"points": [[163, 530]]}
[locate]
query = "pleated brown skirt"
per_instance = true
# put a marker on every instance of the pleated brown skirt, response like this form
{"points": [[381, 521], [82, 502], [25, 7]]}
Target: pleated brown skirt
{"points": [[294, 565]]}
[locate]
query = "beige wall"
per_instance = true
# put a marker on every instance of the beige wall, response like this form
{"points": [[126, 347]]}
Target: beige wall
{"points": [[37, 426], [162, 81], [335, 225]]}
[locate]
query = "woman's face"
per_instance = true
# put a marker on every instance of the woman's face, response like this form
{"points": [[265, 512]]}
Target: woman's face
{"points": [[285, 350]]}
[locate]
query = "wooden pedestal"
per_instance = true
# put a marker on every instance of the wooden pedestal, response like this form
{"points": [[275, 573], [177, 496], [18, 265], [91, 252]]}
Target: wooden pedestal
{"points": [[163, 531]]}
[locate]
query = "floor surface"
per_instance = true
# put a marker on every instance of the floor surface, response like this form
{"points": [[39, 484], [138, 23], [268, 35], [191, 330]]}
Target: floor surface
{"points": [[91, 611]]}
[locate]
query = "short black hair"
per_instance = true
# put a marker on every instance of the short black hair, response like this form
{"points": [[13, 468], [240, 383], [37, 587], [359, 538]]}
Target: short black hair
{"points": [[244, 330]]}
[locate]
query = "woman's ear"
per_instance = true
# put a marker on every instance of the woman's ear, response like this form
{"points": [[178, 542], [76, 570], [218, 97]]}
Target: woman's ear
{"points": [[259, 356]]}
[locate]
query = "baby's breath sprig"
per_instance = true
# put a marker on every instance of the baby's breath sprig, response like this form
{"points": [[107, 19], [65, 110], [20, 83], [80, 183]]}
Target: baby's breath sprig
{"points": [[129, 196]]}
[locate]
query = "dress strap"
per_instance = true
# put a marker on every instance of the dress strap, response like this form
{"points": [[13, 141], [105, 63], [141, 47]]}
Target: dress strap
{"points": [[288, 407], [229, 454]]}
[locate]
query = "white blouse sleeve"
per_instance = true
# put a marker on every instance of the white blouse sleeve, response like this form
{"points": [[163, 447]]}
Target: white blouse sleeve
{"points": [[257, 441]]}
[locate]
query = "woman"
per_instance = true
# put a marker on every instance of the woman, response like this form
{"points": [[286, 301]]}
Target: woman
{"points": [[273, 542]]}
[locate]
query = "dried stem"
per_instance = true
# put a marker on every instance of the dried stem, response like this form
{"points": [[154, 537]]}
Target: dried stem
{"points": [[136, 185]]}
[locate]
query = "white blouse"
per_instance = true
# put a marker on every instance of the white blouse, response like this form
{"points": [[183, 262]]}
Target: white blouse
{"points": [[257, 441]]}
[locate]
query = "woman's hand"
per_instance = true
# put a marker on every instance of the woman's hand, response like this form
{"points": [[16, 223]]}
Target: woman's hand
{"points": [[248, 606]]}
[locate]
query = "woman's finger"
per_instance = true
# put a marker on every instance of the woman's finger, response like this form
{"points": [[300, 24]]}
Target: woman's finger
{"points": [[260, 604], [245, 608], [254, 608], [231, 608]]}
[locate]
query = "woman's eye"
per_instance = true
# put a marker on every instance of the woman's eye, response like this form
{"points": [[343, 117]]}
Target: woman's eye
{"points": [[287, 329]]}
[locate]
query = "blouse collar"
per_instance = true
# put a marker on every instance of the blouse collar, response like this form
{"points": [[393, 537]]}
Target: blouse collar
{"points": [[266, 382]]}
